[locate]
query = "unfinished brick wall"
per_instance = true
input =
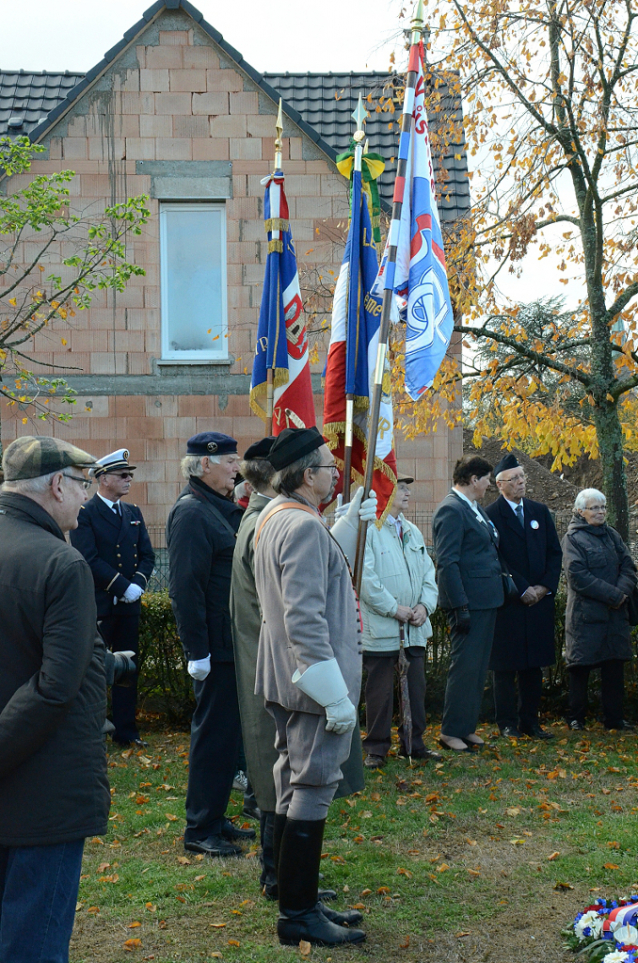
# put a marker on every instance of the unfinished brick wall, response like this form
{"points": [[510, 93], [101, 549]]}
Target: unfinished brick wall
{"points": [[174, 95]]}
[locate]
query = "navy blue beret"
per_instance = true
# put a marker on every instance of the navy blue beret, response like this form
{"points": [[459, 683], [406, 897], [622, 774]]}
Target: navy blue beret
{"points": [[506, 464], [260, 449], [292, 444], [211, 443]]}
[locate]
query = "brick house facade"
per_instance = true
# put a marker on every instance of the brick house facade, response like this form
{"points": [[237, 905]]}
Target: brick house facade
{"points": [[174, 112]]}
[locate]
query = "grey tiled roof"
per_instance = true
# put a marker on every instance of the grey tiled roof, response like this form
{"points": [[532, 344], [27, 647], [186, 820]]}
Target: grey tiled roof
{"points": [[320, 104], [326, 103], [26, 98]]}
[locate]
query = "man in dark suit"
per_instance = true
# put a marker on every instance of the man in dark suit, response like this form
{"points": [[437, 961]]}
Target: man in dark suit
{"points": [[112, 537], [524, 633], [470, 591]]}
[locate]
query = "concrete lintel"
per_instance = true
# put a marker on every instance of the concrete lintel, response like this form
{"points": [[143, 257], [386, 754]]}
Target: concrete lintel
{"points": [[191, 188], [182, 168]]}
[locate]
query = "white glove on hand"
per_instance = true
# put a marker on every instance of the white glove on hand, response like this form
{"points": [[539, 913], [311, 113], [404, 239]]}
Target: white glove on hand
{"points": [[324, 683], [345, 529], [199, 669], [132, 594]]}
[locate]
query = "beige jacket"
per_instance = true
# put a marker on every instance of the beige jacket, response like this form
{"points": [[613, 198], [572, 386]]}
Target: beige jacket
{"points": [[308, 605], [395, 574]]}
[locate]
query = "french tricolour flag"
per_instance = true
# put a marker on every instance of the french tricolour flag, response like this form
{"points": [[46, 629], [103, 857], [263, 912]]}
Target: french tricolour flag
{"points": [[356, 316]]}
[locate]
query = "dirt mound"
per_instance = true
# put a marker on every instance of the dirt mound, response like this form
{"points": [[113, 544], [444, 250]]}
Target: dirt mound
{"points": [[542, 485]]}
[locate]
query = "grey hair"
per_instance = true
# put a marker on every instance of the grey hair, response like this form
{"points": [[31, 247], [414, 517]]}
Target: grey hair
{"points": [[30, 486], [259, 472], [585, 496], [191, 465], [290, 478]]}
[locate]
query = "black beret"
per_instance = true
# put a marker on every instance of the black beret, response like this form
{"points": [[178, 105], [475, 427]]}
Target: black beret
{"points": [[506, 464], [292, 444], [260, 449], [211, 443]]}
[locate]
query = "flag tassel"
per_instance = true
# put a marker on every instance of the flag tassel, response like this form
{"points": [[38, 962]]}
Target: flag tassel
{"points": [[388, 293]]}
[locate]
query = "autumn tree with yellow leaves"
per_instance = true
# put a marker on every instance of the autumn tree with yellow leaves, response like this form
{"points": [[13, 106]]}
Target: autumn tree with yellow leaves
{"points": [[41, 290], [550, 101]]}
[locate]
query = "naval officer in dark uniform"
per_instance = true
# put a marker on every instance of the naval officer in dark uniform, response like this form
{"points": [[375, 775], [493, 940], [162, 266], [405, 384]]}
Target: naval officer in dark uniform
{"points": [[112, 536]]}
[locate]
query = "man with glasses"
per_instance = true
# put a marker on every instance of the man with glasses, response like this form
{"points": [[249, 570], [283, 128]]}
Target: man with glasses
{"points": [[54, 790], [308, 668], [524, 633], [112, 536]]}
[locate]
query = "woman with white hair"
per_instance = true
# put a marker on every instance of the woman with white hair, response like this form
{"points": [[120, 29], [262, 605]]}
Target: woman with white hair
{"points": [[600, 576]]}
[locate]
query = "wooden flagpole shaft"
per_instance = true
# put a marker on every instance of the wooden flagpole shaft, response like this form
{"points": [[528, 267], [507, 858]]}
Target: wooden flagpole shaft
{"points": [[388, 294]]}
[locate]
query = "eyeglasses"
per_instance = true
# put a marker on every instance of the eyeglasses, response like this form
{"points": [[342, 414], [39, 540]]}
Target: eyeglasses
{"points": [[514, 478], [595, 508], [84, 482], [332, 468], [123, 474]]}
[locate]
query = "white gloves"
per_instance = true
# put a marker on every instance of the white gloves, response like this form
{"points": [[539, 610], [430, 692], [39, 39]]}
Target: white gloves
{"points": [[132, 594], [199, 669], [324, 683], [355, 510], [346, 527]]}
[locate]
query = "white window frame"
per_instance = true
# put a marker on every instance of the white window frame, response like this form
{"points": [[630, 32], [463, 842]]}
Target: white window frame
{"points": [[218, 351]]}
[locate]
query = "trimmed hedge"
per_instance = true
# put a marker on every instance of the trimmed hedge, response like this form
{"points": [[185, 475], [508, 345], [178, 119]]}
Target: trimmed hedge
{"points": [[165, 686]]}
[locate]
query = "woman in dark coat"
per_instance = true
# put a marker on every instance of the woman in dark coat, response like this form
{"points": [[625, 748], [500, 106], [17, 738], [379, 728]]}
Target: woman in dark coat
{"points": [[600, 576]]}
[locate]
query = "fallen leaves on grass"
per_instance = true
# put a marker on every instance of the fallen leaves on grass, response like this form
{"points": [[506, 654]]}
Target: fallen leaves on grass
{"points": [[304, 947], [405, 943], [611, 866], [134, 944], [553, 856], [563, 886]]}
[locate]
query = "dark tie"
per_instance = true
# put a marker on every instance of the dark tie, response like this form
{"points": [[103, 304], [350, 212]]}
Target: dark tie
{"points": [[117, 509], [519, 514]]}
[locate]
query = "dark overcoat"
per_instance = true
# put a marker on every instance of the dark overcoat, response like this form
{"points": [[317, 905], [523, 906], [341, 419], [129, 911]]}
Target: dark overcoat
{"points": [[53, 782], [524, 634], [599, 571], [200, 552], [118, 551]]}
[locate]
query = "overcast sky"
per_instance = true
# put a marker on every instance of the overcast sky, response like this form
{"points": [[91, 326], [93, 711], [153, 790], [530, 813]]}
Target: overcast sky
{"points": [[294, 35]]}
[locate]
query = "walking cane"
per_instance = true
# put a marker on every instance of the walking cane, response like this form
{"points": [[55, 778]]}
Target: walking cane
{"points": [[404, 694]]}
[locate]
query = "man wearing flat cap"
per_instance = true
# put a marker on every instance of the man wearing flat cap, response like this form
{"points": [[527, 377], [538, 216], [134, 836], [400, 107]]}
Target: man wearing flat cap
{"points": [[112, 536], [398, 595], [53, 785], [200, 534], [308, 667], [524, 633]]}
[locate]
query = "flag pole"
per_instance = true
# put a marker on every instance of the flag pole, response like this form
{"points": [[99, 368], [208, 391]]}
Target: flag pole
{"points": [[388, 293], [359, 115], [270, 394]]}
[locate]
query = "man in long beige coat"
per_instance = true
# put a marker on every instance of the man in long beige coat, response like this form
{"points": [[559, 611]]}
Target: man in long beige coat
{"points": [[308, 671]]}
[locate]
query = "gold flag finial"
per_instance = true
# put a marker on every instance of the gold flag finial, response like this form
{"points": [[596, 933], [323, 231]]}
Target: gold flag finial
{"points": [[360, 115], [417, 22], [279, 125]]}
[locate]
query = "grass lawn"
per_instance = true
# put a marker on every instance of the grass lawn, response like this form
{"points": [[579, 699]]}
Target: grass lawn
{"points": [[479, 858]]}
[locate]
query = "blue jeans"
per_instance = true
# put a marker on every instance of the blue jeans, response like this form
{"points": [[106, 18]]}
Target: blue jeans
{"points": [[38, 892]]}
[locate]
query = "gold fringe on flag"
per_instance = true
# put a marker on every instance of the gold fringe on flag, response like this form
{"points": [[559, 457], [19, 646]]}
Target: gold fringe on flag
{"points": [[333, 432], [275, 247], [276, 224], [258, 393]]}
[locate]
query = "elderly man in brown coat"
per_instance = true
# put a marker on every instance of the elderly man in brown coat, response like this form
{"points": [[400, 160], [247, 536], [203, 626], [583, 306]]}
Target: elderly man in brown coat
{"points": [[308, 670]]}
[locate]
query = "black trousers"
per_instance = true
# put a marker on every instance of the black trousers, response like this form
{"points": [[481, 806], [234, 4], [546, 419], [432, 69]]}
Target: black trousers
{"points": [[379, 692], [612, 684], [517, 705], [215, 735], [469, 659], [120, 633]]}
